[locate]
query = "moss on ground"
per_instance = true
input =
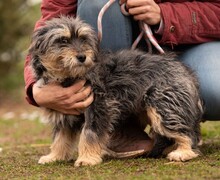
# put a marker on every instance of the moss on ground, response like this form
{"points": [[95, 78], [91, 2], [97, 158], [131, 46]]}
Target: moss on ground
{"points": [[23, 142]]}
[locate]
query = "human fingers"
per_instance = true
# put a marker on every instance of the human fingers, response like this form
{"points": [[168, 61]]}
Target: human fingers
{"points": [[82, 105], [75, 103], [122, 2], [71, 105], [76, 86], [150, 13], [139, 10], [150, 19], [137, 3], [81, 95], [64, 95], [54, 96], [79, 107], [142, 6]]}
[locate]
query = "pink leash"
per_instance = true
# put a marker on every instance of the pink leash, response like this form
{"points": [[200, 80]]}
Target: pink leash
{"points": [[145, 29], [101, 13]]}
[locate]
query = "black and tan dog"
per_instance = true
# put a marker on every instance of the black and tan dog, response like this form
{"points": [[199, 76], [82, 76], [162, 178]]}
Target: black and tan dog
{"points": [[155, 89]]}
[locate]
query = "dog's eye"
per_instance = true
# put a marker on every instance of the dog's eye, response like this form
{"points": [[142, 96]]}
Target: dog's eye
{"points": [[83, 38], [63, 40]]}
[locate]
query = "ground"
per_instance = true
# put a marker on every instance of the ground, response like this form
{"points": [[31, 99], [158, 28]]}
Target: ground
{"points": [[24, 138]]}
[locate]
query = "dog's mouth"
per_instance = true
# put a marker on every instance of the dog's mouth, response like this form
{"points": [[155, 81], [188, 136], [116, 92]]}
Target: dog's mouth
{"points": [[79, 60], [76, 66], [68, 66]]}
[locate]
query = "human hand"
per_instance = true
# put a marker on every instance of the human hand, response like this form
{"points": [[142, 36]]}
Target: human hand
{"points": [[143, 10], [71, 100], [122, 1]]}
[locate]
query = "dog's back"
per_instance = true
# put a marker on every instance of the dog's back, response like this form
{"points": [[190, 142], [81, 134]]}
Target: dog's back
{"points": [[131, 76], [132, 82]]}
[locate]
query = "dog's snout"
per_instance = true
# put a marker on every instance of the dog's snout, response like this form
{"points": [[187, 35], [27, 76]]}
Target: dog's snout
{"points": [[81, 57]]}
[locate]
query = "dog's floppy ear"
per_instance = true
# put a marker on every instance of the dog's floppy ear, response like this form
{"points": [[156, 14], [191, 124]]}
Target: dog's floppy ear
{"points": [[37, 40], [36, 64], [35, 50]]}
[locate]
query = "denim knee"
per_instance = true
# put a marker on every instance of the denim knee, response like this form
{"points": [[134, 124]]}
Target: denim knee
{"points": [[117, 28], [204, 59], [88, 11]]}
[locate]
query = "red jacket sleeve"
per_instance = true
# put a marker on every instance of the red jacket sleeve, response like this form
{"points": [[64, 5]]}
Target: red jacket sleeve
{"points": [[190, 22], [49, 9]]}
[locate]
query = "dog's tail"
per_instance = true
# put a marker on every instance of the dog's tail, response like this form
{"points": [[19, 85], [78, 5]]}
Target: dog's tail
{"points": [[121, 155]]}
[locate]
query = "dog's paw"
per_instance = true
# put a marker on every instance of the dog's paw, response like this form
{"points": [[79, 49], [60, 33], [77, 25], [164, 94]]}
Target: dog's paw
{"points": [[181, 155], [47, 159], [87, 161]]}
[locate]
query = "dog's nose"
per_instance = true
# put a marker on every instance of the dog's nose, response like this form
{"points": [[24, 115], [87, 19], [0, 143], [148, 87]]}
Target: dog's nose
{"points": [[81, 57]]}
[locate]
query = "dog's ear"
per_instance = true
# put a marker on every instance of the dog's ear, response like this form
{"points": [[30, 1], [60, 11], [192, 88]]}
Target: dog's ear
{"points": [[37, 40], [36, 64]]}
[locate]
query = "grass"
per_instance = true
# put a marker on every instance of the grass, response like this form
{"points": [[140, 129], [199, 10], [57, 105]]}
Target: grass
{"points": [[23, 141]]}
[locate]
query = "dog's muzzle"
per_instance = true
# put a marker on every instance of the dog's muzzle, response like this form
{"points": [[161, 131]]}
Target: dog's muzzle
{"points": [[81, 58]]}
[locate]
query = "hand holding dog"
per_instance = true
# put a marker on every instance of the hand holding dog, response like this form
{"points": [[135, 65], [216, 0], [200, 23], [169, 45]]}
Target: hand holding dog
{"points": [[71, 100], [144, 10]]}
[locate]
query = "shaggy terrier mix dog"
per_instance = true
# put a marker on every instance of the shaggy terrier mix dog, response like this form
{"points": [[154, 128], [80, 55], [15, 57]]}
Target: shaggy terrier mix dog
{"points": [[157, 90]]}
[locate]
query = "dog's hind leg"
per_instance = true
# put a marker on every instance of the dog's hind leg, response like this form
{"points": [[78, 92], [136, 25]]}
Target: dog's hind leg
{"points": [[183, 143], [62, 146], [161, 143], [183, 151]]}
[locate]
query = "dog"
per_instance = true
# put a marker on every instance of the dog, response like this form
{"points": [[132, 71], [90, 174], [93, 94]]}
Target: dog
{"points": [[157, 89]]}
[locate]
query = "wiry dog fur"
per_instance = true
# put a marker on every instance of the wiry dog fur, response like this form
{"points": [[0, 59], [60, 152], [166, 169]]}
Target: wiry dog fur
{"points": [[124, 83]]}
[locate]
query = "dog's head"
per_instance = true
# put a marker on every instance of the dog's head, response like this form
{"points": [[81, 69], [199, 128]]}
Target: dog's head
{"points": [[63, 47]]}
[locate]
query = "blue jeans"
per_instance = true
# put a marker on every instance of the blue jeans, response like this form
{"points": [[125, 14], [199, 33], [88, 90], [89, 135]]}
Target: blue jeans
{"points": [[118, 33], [204, 59]]}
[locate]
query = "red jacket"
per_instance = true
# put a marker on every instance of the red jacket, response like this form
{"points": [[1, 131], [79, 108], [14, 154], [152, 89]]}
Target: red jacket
{"points": [[185, 22]]}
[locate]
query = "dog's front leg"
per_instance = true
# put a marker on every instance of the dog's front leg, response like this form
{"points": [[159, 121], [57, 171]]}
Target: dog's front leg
{"points": [[90, 151], [62, 146], [93, 138]]}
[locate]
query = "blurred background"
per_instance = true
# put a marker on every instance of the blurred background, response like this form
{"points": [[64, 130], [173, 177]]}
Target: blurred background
{"points": [[24, 138], [17, 20]]}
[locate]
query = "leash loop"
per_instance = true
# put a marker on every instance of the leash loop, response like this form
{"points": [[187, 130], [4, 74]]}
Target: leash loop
{"points": [[145, 29]]}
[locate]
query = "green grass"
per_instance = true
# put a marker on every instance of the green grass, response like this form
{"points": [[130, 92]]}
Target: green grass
{"points": [[24, 141]]}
